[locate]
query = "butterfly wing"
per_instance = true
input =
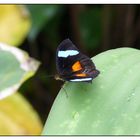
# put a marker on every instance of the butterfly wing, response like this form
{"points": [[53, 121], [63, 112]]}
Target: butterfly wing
{"points": [[72, 65], [65, 57]]}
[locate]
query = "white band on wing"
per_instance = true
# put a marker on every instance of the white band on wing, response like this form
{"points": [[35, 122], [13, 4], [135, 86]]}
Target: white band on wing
{"points": [[67, 53], [83, 79]]}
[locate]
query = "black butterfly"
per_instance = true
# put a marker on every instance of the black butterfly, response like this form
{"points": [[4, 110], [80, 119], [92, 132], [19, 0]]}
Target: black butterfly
{"points": [[72, 65]]}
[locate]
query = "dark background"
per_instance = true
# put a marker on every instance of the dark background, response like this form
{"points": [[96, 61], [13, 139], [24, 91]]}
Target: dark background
{"points": [[92, 28]]}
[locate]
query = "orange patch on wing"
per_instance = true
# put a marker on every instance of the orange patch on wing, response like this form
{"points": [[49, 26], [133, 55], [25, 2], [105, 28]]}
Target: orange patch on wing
{"points": [[76, 66], [81, 75]]}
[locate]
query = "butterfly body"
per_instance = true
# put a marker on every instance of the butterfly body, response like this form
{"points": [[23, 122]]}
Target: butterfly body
{"points": [[72, 65]]}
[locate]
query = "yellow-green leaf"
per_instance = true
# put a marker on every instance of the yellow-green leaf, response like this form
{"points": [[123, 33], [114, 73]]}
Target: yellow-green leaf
{"points": [[14, 24], [17, 117]]}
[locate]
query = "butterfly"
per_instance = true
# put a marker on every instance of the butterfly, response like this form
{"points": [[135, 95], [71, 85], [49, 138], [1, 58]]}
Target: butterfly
{"points": [[72, 65]]}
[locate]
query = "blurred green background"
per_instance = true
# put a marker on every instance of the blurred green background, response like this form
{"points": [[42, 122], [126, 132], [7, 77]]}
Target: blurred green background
{"points": [[92, 28]]}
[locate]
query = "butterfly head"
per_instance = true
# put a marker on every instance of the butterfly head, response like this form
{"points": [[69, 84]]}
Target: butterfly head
{"points": [[57, 77]]}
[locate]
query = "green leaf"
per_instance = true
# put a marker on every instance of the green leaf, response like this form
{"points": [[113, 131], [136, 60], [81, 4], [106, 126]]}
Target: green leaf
{"points": [[41, 15], [14, 24], [90, 26], [108, 106], [17, 117], [15, 67]]}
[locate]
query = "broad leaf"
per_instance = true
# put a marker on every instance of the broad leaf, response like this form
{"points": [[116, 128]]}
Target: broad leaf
{"points": [[108, 106], [15, 67]]}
